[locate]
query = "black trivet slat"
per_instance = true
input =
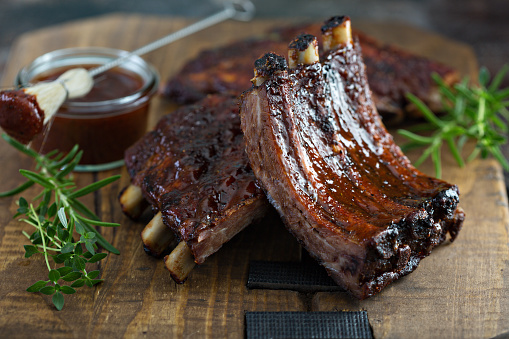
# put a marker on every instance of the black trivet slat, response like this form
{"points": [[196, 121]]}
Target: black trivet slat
{"points": [[296, 325], [302, 277]]}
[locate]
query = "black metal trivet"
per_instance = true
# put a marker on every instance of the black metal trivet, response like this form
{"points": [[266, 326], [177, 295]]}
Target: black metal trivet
{"points": [[302, 277], [297, 325]]}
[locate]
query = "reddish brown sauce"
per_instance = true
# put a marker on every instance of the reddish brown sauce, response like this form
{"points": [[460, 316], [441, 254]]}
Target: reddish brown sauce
{"points": [[113, 84], [102, 135], [20, 115]]}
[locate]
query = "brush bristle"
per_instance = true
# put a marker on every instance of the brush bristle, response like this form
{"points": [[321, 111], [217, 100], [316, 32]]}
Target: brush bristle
{"points": [[49, 95]]}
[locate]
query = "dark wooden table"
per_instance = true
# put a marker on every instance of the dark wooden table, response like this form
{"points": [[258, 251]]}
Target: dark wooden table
{"points": [[459, 291]]}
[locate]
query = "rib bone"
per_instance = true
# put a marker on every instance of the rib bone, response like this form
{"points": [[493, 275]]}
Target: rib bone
{"points": [[180, 262], [267, 66], [132, 201], [336, 31], [303, 50], [157, 237]]}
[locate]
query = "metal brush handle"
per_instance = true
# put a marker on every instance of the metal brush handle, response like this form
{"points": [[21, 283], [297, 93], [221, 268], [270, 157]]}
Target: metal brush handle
{"points": [[238, 10]]}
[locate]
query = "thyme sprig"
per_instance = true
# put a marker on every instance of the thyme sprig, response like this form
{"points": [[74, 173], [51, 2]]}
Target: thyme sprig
{"points": [[476, 112], [58, 217]]}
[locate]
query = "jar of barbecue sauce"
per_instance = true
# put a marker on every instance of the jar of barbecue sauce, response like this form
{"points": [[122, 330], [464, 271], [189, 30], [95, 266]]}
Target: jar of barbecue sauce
{"points": [[106, 121]]}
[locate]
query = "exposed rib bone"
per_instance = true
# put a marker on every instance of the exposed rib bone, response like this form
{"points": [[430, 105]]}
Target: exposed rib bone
{"points": [[180, 262], [157, 237], [132, 201], [303, 50], [336, 31], [266, 66]]}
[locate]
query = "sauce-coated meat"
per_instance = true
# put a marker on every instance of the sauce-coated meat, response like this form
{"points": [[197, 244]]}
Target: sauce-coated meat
{"points": [[343, 187], [193, 168]]}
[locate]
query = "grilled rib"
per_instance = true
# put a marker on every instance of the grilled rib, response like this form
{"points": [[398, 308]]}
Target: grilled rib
{"points": [[192, 168], [328, 165]]}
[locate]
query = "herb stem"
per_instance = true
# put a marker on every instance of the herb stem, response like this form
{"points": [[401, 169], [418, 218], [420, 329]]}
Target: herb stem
{"points": [[481, 116], [39, 227]]}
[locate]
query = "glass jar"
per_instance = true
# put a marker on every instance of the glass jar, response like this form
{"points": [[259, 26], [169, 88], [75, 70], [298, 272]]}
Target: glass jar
{"points": [[108, 120]]}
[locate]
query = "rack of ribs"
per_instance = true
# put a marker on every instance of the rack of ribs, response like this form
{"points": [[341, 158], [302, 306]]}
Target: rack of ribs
{"points": [[343, 188], [193, 170], [391, 71]]}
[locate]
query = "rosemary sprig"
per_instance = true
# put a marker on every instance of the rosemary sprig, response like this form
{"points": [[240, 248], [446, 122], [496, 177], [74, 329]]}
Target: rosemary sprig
{"points": [[471, 112], [57, 217]]}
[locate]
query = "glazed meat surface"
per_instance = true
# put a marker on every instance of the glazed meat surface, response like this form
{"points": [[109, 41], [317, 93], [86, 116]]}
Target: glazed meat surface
{"points": [[193, 169], [328, 165], [392, 72]]}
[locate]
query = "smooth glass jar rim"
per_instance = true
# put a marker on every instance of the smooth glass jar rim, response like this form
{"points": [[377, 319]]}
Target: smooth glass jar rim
{"points": [[95, 56]]}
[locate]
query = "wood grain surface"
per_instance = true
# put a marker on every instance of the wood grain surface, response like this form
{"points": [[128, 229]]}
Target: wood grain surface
{"points": [[460, 291]]}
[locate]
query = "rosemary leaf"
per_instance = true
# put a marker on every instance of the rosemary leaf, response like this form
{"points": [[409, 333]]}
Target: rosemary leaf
{"points": [[93, 187], [498, 78], [37, 178], [455, 152], [97, 222], [79, 207], [19, 189], [19, 146], [430, 116], [67, 158], [435, 156], [69, 167], [419, 139]]}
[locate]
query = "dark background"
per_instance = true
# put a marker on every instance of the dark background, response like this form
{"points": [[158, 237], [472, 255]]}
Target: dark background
{"points": [[482, 24]]}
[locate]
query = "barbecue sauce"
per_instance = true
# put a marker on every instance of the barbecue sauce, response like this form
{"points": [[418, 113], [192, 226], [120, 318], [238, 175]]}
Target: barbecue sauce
{"points": [[20, 115], [102, 133]]}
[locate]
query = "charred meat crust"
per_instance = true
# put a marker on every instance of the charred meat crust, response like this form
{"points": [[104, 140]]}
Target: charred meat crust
{"points": [[269, 64], [335, 21], [340, 183]]}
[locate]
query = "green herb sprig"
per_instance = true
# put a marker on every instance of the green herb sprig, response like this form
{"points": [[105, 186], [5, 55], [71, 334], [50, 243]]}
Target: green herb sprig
{"points": [[471, 112], [57, 215]]}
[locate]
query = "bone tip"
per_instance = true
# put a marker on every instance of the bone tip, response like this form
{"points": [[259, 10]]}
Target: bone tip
{"points": [[157, 237], [268, 65], [337, 31], [303, 42], [303, 50], [132, 201], [180, 262], [336, 21]]}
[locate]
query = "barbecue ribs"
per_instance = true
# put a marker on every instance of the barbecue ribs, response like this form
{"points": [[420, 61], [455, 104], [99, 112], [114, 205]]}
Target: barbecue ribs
{"points": [[193, 170], [392, 72], [328, 165]]}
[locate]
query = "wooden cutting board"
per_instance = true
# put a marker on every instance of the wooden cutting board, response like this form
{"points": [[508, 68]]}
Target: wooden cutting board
{"points": [[460, 291]]}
